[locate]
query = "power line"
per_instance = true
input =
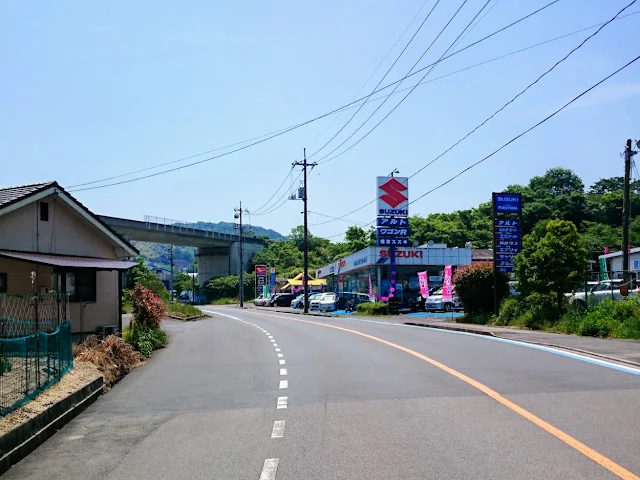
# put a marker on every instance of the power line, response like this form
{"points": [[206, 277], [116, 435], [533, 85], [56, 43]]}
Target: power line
{"points": [[257, 210], [377, 68], [336, 218], [601, 25], [299, 125], [385, 76], [272, 209], [462, 172], [522, 92], [526, 131], [320, 161]]}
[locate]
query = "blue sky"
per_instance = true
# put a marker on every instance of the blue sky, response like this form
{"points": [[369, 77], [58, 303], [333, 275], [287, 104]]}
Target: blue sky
{"points": [[93, 90]]}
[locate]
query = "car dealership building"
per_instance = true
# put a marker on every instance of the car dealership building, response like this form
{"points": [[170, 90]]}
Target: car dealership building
{"points": [[373, 264]]}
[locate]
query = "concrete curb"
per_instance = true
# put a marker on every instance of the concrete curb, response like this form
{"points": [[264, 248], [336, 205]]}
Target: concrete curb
{"points": [[25, 438], [186, 319], [453, 329]]}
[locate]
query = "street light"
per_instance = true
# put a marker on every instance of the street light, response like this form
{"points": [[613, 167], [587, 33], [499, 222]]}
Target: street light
{"points": [[394, 171]]}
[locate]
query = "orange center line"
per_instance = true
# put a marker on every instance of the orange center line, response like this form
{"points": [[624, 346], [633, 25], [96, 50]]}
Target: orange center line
{"points": [[590, 453]]}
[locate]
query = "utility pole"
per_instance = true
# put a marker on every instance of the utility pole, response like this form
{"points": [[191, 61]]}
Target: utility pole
{"points": [[193, 284], [305, 196], [626, 212], [171, 277], [238, 215]]}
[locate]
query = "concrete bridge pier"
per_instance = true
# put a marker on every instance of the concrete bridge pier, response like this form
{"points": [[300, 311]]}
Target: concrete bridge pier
{"points": [[214, 262]]}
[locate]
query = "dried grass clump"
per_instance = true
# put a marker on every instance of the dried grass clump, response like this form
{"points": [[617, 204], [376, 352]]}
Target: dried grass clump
{"points": [[113, 357]]}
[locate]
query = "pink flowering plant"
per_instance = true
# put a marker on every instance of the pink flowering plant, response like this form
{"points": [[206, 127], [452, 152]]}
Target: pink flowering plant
{"points": [[148, 308]]}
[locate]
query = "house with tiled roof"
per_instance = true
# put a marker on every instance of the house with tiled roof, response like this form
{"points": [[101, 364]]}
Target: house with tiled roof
{"points": [[51, 243]]}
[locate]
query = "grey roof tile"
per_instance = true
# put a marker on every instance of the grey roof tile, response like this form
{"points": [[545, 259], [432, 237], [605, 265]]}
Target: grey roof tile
{"points": [[12, 194]]}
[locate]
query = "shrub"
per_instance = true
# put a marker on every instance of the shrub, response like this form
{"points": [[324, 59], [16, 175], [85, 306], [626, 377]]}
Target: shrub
{"points": [[225, 301], [148, 308], [476, 318], [372, 308], [145, 339], [225, 287], [509, 311], [474, 285]]}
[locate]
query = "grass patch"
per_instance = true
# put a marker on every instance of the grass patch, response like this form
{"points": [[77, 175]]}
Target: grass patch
{"points": [[227, 301], [182, 310], [476, 318], [127, 307]]}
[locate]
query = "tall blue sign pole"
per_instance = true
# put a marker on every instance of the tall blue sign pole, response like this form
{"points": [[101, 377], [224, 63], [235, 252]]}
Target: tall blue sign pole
{"points": [[507, 236]]}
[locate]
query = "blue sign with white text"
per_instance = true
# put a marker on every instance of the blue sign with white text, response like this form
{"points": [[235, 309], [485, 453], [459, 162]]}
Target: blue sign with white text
{"points": [[511, 230], [392, 241], [393, 232], [392, 222], [508, 202]]}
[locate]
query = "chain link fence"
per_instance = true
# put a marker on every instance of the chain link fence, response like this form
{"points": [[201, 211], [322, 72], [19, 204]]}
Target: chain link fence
{"points": [[35, 346]]}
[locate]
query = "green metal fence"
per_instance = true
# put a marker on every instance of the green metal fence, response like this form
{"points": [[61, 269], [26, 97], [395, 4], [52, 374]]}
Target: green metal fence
{"points": [[35, 352]]}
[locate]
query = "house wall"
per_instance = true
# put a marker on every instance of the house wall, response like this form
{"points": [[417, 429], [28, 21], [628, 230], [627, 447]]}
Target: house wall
{"points": [[86, 317], [65, 233]]}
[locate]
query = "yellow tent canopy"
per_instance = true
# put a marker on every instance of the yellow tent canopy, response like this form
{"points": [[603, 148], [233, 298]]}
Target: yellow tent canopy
{"points": [[297, 282]]}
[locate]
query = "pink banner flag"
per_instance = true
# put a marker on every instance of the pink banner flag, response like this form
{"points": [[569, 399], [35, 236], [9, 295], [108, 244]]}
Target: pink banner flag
{"points": [[371, 296], [447, 287], [424, 284]]}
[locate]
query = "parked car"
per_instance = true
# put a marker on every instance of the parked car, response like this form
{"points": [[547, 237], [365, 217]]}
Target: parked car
{"points": [[434, 302], [298, 302], [597, 291], [417, 301], [261, 301], [282, 299], [325, 302]]}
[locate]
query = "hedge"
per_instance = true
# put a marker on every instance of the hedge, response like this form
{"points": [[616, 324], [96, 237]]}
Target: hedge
{"points": [[372, 309]]}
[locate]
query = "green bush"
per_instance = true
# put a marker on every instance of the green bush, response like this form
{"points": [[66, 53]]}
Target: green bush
{"points": [[226, 287], [372, 309], [509, 311], [474, 285], [606, 319], [145, 339], [475, 318], [534, 311]]}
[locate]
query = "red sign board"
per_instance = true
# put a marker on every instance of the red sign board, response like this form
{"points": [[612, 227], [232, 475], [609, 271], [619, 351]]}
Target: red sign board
{"points": [[261, 269]]}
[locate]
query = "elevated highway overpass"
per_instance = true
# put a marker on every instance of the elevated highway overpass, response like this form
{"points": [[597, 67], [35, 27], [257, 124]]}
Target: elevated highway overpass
{"points": [[218, 249]]}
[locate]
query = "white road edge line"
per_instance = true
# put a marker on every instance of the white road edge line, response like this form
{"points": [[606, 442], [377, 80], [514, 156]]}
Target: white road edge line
{"points": [[283, 371], [269, 469], [282, 402], [278, 429], [282, 361], [556, 351], [284, 384]]}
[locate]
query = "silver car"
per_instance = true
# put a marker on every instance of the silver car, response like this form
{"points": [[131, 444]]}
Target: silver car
{"points": [[434, 302]]}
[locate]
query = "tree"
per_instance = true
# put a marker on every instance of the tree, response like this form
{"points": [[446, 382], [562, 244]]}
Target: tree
{"points": [[553, 264], [182, 283], [141, 275], [474, 285]]}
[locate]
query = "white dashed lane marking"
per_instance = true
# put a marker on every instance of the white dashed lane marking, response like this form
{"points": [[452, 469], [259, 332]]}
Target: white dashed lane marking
{"points": [[278, 429], [282, 402], [284, 384], [283, 371], [282, 361], [280, 355], [278, 350], [269, 469]]}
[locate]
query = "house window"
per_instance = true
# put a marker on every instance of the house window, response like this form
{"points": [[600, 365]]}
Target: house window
{"points": [[44, 211], [3, 282], [80, 285]]}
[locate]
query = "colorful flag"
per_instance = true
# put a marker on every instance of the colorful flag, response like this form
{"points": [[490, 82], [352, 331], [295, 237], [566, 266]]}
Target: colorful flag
{"points": [[447, 287], [424, 284], [371, 297]]}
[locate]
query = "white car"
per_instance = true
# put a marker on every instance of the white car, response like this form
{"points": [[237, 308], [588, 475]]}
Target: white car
{"points": [[325, 302], [434, 303], [597, 291], [261, 301]]}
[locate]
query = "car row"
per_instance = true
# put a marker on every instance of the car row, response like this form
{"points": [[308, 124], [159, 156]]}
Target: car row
{"points": [[277, 300]]}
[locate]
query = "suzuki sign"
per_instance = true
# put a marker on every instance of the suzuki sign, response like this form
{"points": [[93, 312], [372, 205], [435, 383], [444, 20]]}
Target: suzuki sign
{"points": [[393, 196]]}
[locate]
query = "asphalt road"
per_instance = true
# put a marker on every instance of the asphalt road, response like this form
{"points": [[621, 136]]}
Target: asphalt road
{"points": [[363, 401]]}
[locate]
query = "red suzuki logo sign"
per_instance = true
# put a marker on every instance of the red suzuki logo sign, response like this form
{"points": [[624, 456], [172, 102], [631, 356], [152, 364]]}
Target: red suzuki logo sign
{"points": [[402, 254], [342, 263], [393, 196], [261, 269]]}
